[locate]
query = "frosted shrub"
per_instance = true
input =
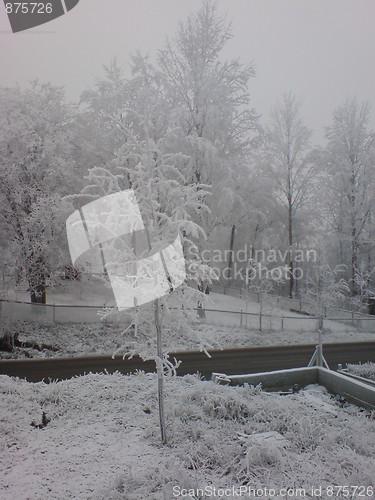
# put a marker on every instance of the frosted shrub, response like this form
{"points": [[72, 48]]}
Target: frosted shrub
{"points": [[366, 370], [229, 409], [308, 433], [55, 394], [156, 484], [260, 454]]}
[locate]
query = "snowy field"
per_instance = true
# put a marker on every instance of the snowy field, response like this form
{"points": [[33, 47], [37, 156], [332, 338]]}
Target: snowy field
{"points": [[98, 338], [102, 440], [218, 329], [222, 310]]}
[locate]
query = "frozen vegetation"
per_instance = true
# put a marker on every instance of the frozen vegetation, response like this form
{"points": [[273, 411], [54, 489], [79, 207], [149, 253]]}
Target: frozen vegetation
{"points": [[217, 330], [366, 370], [97, 338], [99, 438]]}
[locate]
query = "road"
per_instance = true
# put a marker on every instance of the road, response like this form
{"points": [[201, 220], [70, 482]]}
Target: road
{"points": [[232, 361]]}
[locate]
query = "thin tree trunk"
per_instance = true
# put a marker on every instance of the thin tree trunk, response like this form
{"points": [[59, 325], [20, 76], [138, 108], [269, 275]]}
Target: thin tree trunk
{"points": [[230, 258], [159, 359], [160, 372], [354, 263], [37, 282], [38, 294], [353, 235], [290, 241]]}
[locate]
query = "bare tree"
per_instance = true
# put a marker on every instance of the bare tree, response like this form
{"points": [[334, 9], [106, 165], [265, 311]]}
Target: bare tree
{"points": [[211, 101], [349, 161], [286, 159]]}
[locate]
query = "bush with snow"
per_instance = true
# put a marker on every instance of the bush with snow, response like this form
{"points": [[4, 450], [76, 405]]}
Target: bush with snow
{"points": [[366, 370]]}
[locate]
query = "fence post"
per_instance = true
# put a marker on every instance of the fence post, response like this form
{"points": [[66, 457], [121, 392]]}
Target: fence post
{"points": [[320, 353], [53, 313], [320, 324], [282, 323], [241, 319], [246, 317], [260, 320]]}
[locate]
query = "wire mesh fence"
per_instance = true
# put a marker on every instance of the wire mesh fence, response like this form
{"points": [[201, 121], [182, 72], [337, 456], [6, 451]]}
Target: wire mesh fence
{"points": [[53, 313], [354, 319], [274, 317]]}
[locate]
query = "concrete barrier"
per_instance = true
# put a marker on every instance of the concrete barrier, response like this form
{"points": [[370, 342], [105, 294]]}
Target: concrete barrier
{"points": [[279, 379], [354, 391]]}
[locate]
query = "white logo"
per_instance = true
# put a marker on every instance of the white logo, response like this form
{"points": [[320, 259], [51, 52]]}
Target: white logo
{"points": [[103, 229]]}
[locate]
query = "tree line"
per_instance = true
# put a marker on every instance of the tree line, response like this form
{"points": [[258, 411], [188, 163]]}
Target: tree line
{"points": [[183, 134]]}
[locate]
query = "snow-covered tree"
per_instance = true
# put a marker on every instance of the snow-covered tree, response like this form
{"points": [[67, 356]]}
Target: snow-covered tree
{"points": [[348, 189], [287, 162], [210, 97], [151, 160], [326, 287], [97, 135], [180, 135], [36, 171]]}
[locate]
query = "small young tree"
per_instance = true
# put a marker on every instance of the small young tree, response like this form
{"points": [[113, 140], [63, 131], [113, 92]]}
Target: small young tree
{"points": [[326, 287], [150, 161], [175, 133], [261, 280]]}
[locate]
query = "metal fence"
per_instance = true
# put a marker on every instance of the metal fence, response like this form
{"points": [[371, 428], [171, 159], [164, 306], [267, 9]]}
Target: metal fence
{"points": [[357, 320], [53, 313], [274, 317], [262, 320]]}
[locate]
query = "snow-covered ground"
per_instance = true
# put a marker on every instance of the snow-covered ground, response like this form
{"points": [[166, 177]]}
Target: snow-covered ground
{"points": [[218, 329], [100, 338], [102, 441], [273, 318], [222, 310], [102, 438]]}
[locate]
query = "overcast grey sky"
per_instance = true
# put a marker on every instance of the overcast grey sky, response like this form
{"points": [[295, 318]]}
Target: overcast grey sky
{"points": [[322, 50]]}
